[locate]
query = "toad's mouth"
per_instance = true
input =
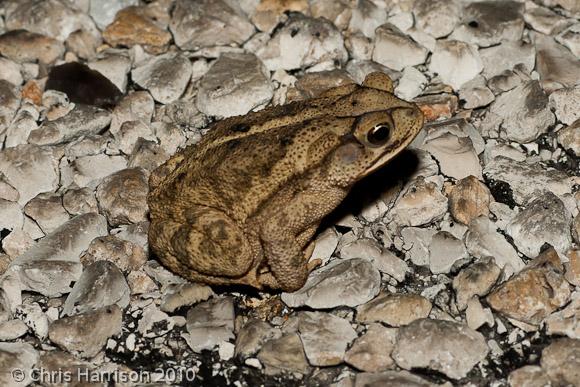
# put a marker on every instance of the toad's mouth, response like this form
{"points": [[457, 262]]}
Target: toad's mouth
{"points": [[391, 151]]}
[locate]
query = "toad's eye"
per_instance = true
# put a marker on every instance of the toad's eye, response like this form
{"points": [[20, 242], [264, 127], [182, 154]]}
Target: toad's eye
{"points": [[380, 134]]}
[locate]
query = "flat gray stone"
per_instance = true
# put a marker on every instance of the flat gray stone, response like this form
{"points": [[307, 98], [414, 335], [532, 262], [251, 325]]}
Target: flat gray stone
{"points": [[136, 106], [446, 251], [12, 329], [371, 352], [476, 279], [210, 323], [11, 216], [86, 334], [486, 23], [17, 356], [83, 44], [523, 112], [342, 282], [415, 242], [87, 146], [475, 93], [222, 95], [207, 23], [81, 121], [132, 134], [421, 203], [366, 17], [437, 17], [30, 169], [527, 180], [571, 38], [52, 264], [178, 295], [324, 336], [10, 102], [33, 316], [566, 321], [390, 378], [154, 322], [115, 67], [455, 62], [101, 284], [556, 65], [390, 39], [456, 155], [543, 220], [505, 56], [566, 104], [483, 240], [24, 123], [448, 347], [303, 42], [252, 336], [88, 171], [79, 201], [47, 211], [545, 20], [411, 84], [54, 18], [284, 354], [165, 76]]}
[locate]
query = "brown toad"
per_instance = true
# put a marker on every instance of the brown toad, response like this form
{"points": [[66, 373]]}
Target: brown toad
{"points": [[242, 205]]}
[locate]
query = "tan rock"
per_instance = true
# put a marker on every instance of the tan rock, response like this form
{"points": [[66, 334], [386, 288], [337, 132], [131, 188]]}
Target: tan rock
{"points": [[140, 283], [576, 227], [63, 363], [313, 84], [270, 12], [449, 347], [86, 333], [133, 26], [394, 309], [284, 354], [573, 267], [5, 260], [371, 352], [535, 292], [567, 321], [439, 106], [126, 255], [469, 199], [122, 196], [83, 44], [24, 46], [32, 91], [561, 361], [529, 376]]}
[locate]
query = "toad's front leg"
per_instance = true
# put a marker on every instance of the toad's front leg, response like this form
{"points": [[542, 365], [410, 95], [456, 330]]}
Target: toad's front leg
{"points": [[283, 235]]}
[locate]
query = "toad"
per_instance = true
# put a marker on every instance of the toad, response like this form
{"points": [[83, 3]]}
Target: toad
{"points": [[243, 204]]}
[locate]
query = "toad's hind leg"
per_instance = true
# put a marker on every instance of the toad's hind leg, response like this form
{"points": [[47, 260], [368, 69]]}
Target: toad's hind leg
{"points": [[208, 247]]}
